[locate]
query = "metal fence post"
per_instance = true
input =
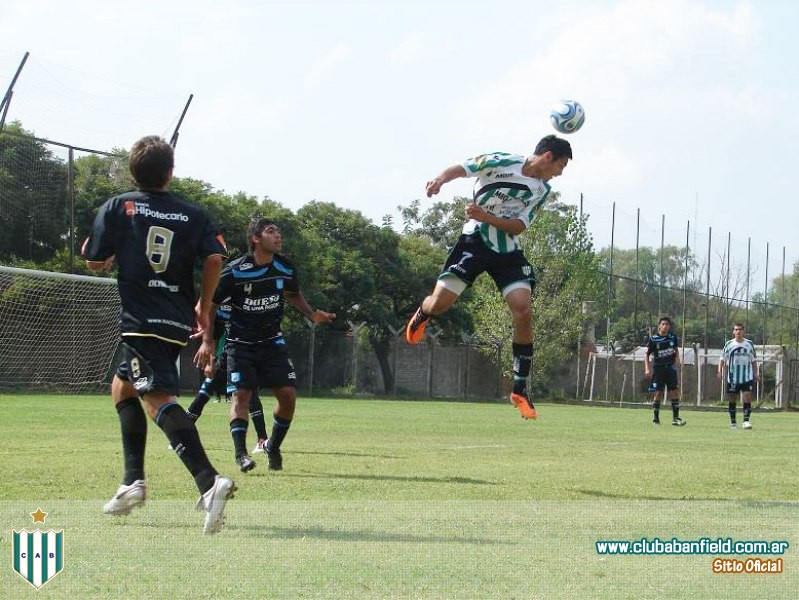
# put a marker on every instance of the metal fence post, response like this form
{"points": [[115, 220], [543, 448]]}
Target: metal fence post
{"points": [[356, 335], [396, 333], [433, 335], [311, 348]]}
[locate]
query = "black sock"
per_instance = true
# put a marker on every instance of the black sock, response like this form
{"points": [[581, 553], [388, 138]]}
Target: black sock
{"points": [[185, 440], [257, 416], [731, 410], [656, 407], [747, 410], [238, 431], [280, 428], [134, 438], [675, 409], [197, 405], [522, 361]]}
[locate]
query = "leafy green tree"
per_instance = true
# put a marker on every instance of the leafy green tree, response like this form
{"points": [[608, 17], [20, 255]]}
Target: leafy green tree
{"points": [[441, 223], [363, 272], [33, 198]]}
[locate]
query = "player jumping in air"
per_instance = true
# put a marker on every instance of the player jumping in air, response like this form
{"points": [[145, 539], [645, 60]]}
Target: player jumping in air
{"points": [[508, 193]]}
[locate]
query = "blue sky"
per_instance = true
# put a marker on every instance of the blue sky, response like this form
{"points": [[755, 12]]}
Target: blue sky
{"points": [[689, 103]]}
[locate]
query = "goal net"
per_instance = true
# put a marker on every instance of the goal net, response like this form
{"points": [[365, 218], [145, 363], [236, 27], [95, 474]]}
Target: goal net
{"points": [[57, 331]]}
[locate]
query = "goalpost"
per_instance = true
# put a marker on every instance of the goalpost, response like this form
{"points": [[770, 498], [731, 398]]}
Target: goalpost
{"points": [[57, 331]]}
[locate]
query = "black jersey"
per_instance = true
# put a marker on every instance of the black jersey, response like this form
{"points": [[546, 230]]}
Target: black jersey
{"points": [[157, 239], [256, 297], [663, 349]]}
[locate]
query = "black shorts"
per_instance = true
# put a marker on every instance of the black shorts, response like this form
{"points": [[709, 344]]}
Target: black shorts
{"points": [[470, 256], [265, 365], [735, 388], [150, 365], [664, 377]]}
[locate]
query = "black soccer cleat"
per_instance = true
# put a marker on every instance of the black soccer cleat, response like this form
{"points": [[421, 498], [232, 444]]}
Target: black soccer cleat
{"points": [[245, 463], [275, 459]]}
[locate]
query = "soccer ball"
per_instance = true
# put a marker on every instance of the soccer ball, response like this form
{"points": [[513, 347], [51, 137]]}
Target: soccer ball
{"points": [[567, 116]]}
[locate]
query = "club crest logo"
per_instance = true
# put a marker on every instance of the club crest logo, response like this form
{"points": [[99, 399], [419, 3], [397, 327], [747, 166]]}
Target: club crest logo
{"points": [[38, 555]]}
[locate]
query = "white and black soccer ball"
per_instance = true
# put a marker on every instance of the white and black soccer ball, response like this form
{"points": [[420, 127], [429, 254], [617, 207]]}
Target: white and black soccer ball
{"points": [[567, 116]]}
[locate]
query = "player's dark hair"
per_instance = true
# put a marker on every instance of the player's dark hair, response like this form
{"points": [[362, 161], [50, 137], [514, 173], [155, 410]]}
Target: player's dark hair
{"points": [[557, 146], [741, 325], [667, 319], [151, 162], [256, 227]]}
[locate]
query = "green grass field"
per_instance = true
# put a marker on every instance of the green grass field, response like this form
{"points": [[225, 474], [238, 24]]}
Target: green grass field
{"points": [[405, 499]]}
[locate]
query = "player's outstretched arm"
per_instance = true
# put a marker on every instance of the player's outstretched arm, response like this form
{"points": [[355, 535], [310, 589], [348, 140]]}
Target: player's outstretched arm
{"points": [[447, 175], [297, 300]]}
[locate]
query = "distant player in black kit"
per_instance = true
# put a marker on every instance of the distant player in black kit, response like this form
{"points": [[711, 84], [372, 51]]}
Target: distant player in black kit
{"points": [[665, 352], [156, 238], [258, 285]]}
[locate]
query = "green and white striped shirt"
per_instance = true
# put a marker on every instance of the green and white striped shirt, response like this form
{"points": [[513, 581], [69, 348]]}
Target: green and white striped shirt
{"points": [[503, 191], [739, 357]]}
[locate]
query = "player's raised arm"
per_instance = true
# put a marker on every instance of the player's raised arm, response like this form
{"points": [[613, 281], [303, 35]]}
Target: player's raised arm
{"points": [[314, 315], [447, 175]]}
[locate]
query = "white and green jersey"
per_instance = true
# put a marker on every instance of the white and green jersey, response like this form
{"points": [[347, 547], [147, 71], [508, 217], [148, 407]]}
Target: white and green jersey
{"points": [[739, 357], [503, 191]]}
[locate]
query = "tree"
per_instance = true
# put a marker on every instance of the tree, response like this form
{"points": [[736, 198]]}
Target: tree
{"points": [[363, 272], [441, 223], [33, 198]]}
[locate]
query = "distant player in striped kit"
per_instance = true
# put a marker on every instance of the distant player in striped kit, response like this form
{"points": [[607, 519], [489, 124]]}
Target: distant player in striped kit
{"points": [[739, 360], [508, 193], [665, 352]]}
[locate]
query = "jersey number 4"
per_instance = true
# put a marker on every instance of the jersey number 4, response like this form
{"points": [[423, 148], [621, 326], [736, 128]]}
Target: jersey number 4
{"points": [[159, 244]]}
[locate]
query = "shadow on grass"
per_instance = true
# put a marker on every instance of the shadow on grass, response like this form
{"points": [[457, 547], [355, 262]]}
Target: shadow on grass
{"points": [[335, 535], [742, 502], [462, 480], [348, 454], [601, 494]]}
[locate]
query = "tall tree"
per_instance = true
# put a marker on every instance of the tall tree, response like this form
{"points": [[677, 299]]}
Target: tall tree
{"points": [[364, 272], [33, 198]]}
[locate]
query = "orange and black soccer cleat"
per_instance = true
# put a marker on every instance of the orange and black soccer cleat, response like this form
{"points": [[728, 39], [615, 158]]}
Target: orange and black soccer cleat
{"points": [[414, 331], [524, 404]]}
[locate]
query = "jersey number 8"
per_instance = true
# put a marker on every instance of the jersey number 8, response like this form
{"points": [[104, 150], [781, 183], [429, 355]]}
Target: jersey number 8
{"points": [[159, 242]]}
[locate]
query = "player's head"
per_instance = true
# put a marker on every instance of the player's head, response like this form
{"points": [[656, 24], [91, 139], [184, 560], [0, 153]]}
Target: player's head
{"points": [[551, 155], [151, 162], [264, 232], [664, 325], [559, 147], [738, 330]]}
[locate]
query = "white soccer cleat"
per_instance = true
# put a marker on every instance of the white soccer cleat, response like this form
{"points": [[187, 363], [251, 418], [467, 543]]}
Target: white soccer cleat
{"points": [[259, 447], [747, 425], [733, 426], [127, 498], [213, 501]]}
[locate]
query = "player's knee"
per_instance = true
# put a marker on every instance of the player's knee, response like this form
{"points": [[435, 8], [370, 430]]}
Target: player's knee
{"points": [[522, 313], [287, 399]]}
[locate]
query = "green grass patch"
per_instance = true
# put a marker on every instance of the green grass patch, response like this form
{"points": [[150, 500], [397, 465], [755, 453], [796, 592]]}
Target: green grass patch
{"points": [[399, 499]]}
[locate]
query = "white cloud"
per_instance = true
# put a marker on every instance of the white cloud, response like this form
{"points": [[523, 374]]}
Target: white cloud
{"points": [[324, 68], [609, 59], [411, 49]]}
